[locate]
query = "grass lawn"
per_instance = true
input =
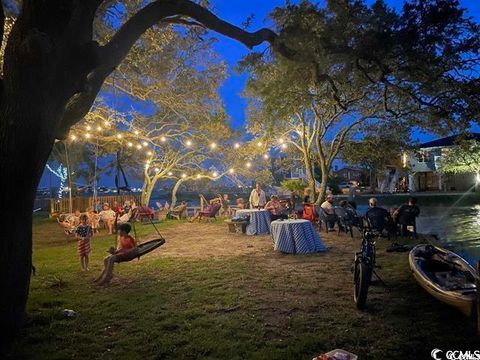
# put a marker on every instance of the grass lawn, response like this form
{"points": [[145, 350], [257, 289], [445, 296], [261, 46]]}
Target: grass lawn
{"points": [[208, 293]]}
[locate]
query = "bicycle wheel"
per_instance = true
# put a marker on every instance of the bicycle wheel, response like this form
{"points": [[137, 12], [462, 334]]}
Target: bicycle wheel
{"points": [[361, 282]]}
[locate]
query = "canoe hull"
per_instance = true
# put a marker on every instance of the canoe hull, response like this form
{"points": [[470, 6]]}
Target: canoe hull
{"points": [[463, 300]]}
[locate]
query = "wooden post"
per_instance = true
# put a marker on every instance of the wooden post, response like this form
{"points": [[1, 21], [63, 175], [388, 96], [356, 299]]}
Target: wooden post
{"points": [[478, 298]]}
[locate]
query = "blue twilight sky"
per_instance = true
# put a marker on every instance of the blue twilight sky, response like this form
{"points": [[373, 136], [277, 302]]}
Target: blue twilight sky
{"points": [[236, 12]]}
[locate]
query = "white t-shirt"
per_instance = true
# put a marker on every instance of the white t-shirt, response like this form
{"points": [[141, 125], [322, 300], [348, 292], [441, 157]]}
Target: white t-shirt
{"points": [[257, 199], [107, 214]]}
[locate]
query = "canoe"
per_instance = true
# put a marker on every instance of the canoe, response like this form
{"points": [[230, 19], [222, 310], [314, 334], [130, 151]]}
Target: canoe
{"points": [[445, 275]]}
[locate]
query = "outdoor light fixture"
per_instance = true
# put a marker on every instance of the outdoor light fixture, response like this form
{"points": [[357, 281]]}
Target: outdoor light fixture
{"points": [[157, 170], [136, 132], [106, 124], [147, 162], [248, 164], [188, 143], [170, 173], [199, 176], [87, 135], [231, 171], [119, 136], [73, 137], [99, 128], [477, 178], [265, 156], [259, 144], [236, 146], [88, 128], [213, 145], [130, 144], [284, 146], [139, 146], [149, 153], [163, 139], [281, 141], [184, 176], [215, 174]]}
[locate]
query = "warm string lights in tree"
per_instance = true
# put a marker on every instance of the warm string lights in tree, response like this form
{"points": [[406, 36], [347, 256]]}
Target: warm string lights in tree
{"points": [[62, 173]]}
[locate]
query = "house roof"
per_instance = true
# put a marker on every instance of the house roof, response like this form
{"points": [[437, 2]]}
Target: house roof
{"points": [[449, 140]]}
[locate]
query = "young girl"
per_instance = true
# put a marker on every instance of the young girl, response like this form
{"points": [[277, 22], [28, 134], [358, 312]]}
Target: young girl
{"points": [[126, 245], [83, 233]]}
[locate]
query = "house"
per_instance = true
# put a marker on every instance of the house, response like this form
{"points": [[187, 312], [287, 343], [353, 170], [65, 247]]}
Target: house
{"points": [[348, 174], [423, 165]]}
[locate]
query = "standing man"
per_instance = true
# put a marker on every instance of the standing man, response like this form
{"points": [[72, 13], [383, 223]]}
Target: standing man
{"points": [[257, 198]]}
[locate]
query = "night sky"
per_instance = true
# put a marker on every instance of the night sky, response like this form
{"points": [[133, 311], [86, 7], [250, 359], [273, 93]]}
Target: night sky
{"points": [[236, 12]]}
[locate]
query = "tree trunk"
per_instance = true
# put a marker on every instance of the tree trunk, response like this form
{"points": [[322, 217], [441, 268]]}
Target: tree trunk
{"points": [[175, 190], [323, 186], [310, 176], [24, 149], [373, 180]]}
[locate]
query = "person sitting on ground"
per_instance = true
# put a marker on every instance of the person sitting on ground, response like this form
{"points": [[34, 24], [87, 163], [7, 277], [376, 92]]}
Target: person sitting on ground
{"points": [[107, 215], [378, 217], [327, 207], [405, 215], [208, 211], [126, 245], [83, 233], [93, 219], [275, 208], [241, 204]]}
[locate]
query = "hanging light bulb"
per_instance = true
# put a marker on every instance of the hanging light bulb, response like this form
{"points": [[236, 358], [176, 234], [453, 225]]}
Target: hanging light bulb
{"points": [[147, 162], [188, 143], [231, 171], [213, 145], [215, 174], [281, 141], [236, 145], [136, 132], [88, 128], [99, 128], [184, 176], [248, 164], [170, 173], [145, 143], [259, 144], [130, 144], [199, 176], [119, 136], [157, 170], [163, 139], [106, 123], [265, 156], [149, 153], [73, 137], [138, 146], [87, 135], [284, 146]]}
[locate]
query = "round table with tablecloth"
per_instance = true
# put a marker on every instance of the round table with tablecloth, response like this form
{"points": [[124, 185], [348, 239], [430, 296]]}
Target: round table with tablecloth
{"points": [[259, 223], [296, 237]]}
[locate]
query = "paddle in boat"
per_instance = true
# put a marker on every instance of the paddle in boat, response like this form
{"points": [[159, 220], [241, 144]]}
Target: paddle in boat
{"points": [[445, 275]]}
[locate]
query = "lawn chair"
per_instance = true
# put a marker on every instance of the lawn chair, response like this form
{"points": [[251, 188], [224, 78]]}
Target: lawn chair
{"points": [[344, 221], [405, 219], [210, 212], [179, 212], [309, 213], [383, 224], [325, 218]]}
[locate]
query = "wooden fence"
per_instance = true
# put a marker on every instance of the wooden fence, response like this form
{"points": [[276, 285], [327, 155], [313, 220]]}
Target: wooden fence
{"points": [[60, 206]]}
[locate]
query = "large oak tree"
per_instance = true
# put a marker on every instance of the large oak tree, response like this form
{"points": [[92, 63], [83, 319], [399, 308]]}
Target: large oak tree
{"points": [[53, 70]]}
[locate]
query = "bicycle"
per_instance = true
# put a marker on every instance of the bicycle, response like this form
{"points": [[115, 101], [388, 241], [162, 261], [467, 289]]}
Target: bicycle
{"points": [[364, 267]]}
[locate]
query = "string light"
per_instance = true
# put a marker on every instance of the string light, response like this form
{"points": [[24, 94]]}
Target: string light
{"points": [[215, 174], [199, 176], [138, 146], [231, 171], [99, 128], [281, 141], [184, 176], [163, 139], [157, 170], [119, 136], [87, 135], [284, 146], [88, 128], [188, 143], [136, 132], [170, 173], [265, 156], [259, 144], [213, 145], [145, 143], [106, 123], [147, 162], [149, 153], [73, 137], [130, 144], [248, 164], [236, 146]]}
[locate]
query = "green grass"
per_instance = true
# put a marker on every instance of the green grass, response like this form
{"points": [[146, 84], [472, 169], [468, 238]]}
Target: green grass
{"points": [[261, 306]]}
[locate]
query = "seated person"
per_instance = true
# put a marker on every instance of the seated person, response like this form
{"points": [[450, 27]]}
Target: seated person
{"points": [[69, 222], [307, 196], [180, 210], [209, 211], [241, 204], [74, 219], [126, 246], [108, 216], [275, 208], [378, 218], [93, 219], [327, 207], [117, 208], [405, 215]]}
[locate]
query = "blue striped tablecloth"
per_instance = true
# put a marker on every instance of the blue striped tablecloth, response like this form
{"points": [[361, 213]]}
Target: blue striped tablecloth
{"points": [[259, 221], [296, 237]]}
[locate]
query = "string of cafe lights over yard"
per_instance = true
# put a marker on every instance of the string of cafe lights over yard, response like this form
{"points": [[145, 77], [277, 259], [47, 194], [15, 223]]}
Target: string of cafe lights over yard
{"points": [[90, 134]]}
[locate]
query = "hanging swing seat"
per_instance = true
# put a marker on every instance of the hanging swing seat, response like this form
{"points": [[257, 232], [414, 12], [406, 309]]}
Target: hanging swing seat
{"points": [[140, 250]]}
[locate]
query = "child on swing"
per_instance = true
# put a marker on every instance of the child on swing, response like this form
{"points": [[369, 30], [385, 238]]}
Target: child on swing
{"points": [[126, 246], [84, 233]]}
